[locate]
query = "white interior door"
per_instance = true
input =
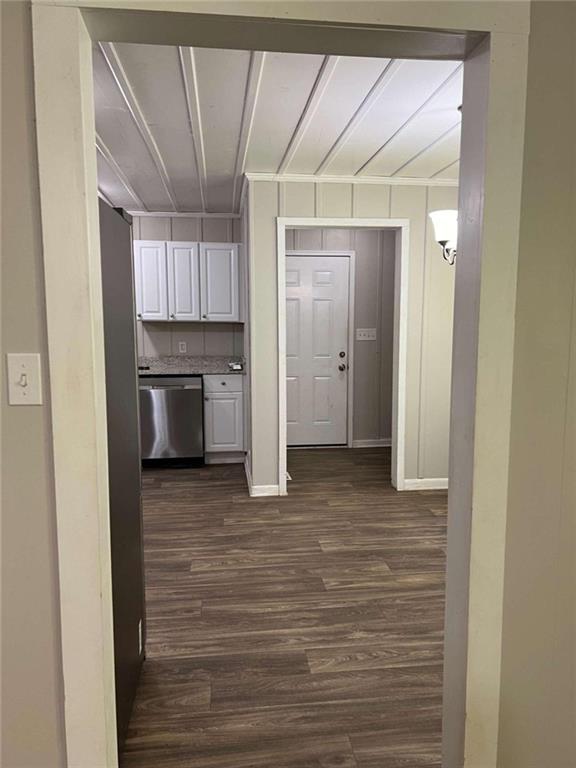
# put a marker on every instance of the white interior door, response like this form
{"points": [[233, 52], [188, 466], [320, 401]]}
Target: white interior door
{"points": [[317, 349]]}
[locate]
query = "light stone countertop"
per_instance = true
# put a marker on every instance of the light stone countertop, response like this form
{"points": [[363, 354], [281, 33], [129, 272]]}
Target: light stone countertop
{"points": [[186, 365]]}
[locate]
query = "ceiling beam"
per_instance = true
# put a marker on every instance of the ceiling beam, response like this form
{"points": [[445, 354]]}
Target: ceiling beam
{"points": [[257, 59], [119, 173], [324, 77], [190, 80], [363, 168], [117, 70], [373, 95], [427, 148]]}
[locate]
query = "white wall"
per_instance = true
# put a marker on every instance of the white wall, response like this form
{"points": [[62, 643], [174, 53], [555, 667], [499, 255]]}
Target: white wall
{"points": [[374, 308], [431, 295], [32, 690], [201, 338], [537, 725]]}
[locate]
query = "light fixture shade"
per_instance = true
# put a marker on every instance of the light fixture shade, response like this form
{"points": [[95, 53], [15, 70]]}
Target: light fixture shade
{"points": [[445, 227]]}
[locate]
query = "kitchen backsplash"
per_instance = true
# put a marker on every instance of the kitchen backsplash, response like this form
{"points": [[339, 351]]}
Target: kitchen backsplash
{"points": [[200, 338]]}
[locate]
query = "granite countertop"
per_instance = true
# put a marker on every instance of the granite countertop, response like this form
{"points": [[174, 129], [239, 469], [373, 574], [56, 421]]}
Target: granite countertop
{"points": [[186, 365]]}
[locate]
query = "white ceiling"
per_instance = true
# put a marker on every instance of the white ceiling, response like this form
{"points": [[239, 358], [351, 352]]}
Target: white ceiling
{"points": [[178, 127]]}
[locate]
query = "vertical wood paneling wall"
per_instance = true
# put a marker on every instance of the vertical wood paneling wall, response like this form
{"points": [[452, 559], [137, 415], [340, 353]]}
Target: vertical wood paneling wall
{"points": [[201, 338], [430, 319], [373, 308]]}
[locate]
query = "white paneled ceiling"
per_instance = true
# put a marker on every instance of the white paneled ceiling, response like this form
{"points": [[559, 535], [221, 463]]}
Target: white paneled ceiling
{"points": [[177, 128]]}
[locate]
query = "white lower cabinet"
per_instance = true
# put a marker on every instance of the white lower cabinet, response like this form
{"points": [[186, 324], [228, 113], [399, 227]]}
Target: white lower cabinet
{"points": [[223, 414]]}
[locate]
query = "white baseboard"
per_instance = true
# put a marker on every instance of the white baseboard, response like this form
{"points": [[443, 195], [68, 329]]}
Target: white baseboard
{"points": [[264, 490], [426, 484], [224, 458], [259, 490], [384, 442]]}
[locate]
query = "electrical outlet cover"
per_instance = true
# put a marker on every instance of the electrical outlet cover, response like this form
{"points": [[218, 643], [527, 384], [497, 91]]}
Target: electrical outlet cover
{"points": [[182, 347], [365, 334]]}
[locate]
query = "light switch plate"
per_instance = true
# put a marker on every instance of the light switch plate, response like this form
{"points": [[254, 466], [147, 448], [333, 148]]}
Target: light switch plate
{"points": [[365, 334], [182, 347], [24, 379]]}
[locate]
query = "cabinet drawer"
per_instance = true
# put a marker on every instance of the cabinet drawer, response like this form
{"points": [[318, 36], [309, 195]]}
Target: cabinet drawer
{"points": [[226, 383]]}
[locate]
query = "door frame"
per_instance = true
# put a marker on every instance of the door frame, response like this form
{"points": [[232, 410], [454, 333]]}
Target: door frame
{"points": [[351, 255], [401, 266], [493, 125]]}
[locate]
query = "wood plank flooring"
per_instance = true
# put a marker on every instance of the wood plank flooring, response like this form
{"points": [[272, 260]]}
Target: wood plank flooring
{"points": [[296, 632]]}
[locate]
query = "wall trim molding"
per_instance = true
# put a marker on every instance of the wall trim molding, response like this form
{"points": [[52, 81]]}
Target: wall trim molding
{"points": [[264, 490], [258, 490], [382, 442], [426, 484], [248, 474], [184, 215], [402, 181]]}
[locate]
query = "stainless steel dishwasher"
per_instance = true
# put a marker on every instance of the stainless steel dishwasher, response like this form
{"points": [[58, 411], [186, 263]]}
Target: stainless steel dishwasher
{"points": [[171, 417]]}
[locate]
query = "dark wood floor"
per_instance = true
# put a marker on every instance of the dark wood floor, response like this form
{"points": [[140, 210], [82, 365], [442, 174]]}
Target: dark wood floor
{"points": [[300, 632]]}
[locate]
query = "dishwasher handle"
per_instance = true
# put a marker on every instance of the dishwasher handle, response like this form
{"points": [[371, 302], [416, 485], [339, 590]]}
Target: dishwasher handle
{"points": [[170, 386], [186, 384]]}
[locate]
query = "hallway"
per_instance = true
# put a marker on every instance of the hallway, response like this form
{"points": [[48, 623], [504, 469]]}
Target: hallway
{"points": [[295, 632]]}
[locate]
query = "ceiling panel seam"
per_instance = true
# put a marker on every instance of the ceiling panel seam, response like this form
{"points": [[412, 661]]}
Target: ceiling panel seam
{"points": [[445, 168], [125, 88], [373, 95], [257, 60], [324, 76], [118, 172], [190, 82], [396, 133], [427, 147]]}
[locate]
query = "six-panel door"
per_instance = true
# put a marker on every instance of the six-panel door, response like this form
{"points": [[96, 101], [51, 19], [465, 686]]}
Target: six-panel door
{"points": [[183, 281], [317, 349], [220, 282], [151, 280]]}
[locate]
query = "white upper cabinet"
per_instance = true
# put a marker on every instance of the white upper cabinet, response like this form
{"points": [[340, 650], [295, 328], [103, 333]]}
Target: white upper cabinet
{"points": [[187, 282], [220, 282], [183, 281], [151, 279]]}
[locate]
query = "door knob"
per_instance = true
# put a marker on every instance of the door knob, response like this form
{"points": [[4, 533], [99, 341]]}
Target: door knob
{"points": [[342, 354], [341, 367]]}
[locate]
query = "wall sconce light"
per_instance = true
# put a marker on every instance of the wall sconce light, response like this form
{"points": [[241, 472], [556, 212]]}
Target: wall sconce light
{"points": [[446, 232]]}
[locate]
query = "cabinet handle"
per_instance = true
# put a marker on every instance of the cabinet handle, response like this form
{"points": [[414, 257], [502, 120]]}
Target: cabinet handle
{"points": [[172, 315], [139, 315], [204, 316], [206, 398]]}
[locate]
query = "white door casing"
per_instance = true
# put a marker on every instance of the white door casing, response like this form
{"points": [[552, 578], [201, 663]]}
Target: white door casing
{"points": [[150, 274], [220, 282], [183, 281], [317, 300]]}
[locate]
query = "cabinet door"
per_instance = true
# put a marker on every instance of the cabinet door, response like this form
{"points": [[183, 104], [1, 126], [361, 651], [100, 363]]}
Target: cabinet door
{"points": [[183, 281], [223, 422], [220, 283], [151, 279]]}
